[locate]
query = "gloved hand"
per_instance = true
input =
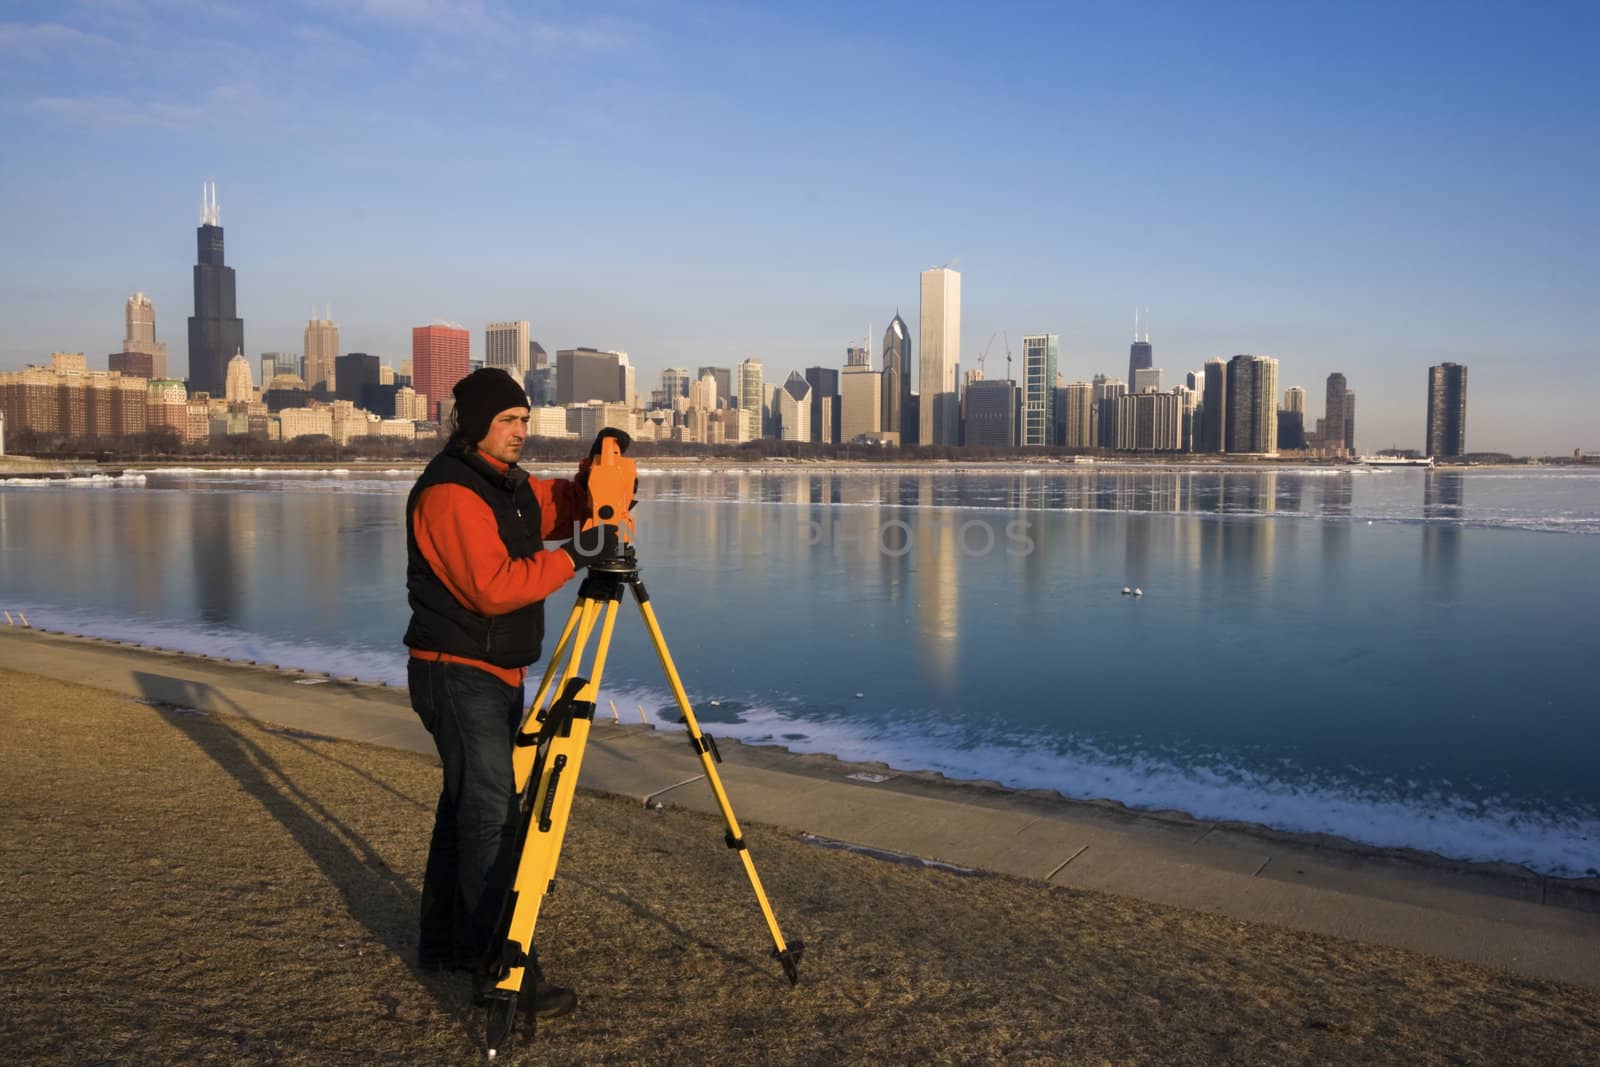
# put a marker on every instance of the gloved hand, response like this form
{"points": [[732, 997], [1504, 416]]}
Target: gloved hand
{"points": [[600, 541], [623, 441]]}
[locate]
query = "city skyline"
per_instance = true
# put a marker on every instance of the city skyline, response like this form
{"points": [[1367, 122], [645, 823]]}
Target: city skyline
{"points": [[1355, 244]]}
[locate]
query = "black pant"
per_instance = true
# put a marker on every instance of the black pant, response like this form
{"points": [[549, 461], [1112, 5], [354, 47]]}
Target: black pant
{"points": [[473, 717]]}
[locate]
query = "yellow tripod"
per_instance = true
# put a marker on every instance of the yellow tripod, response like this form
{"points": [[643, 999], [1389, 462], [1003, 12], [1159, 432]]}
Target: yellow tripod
{"points": [[547, 758]]}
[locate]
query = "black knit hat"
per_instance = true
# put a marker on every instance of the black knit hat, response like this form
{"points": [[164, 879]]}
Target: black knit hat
{"points": [[482, 395]]}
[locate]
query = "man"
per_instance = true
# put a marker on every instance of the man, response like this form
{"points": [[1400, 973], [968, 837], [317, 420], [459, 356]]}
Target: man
{"points": [[477, 576]]}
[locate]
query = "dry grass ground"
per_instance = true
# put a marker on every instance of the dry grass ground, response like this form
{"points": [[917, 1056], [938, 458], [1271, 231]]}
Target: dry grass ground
{"points": [[181, 888]]}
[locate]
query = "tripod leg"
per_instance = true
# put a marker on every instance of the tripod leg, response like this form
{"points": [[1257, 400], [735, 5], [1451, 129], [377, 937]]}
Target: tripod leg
{"points": [[560, 743], [787, 954], [522, 757]]}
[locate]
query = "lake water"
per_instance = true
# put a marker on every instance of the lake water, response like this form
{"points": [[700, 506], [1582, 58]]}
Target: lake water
{"points": [[1402, 657]]}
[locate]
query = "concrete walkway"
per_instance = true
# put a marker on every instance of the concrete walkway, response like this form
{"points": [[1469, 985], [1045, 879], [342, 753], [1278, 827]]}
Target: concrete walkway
{"points": [[1500, 917]]}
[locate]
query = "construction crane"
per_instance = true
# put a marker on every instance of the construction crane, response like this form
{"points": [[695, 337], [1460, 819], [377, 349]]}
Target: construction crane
{"points": [[985, 353]]}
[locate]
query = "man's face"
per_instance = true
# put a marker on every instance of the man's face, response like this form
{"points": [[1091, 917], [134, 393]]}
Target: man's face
{"points": [[507, 431]]}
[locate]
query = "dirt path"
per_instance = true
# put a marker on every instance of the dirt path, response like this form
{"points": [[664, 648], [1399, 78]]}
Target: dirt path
{"points": [[182, 888]]}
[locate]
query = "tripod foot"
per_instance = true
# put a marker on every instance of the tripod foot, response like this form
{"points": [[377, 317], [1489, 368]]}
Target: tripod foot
{"points": [[499, 1024], [790, 958]]}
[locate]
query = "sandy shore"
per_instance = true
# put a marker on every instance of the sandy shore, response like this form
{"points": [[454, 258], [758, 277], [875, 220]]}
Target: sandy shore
{"points": [[183, 887]]}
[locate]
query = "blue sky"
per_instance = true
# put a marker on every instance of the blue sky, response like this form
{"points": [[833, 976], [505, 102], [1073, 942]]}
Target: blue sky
{"points": [[1368, 188]]}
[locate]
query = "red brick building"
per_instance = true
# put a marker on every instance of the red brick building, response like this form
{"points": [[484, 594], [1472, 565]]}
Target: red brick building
{"points": [[439, 358]]}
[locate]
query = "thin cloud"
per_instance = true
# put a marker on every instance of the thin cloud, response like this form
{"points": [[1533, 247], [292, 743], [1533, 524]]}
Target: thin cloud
{"points": [[492, 21], [221, 103], [114, 111], [23, 37]]}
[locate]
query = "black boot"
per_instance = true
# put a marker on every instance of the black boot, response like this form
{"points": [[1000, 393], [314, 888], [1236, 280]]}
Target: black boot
{"points": [[544, 998]]}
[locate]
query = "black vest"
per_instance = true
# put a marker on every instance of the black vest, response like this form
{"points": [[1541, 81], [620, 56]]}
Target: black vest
{"points": [[440, 622]]}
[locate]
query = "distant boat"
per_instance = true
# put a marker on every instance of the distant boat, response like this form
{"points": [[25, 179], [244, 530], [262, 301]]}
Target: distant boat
{"points": [[1396, 461]]}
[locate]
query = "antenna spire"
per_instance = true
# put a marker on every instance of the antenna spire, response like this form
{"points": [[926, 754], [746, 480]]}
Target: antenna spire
{"points": [[209, 216]]}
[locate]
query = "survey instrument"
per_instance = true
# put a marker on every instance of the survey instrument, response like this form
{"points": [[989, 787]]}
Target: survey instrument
{"points": [[550, 744]]}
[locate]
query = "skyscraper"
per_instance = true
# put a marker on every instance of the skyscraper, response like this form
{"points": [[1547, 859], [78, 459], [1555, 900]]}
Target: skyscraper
{"points": [[1105, 393], [897, 379], [1145, 380], [752, 396], [239, 388], [1350, 421], [276, 363], [703, 393], [439, 357], [505, 345], [940, 415], [1040, 354], [1141, 355], [1214, 407], [860, 402], [1294, 399], [356, 372], [1080, 423], [139, 320], [724, 378], [1447, 410], [1149, 422], [1333, 414], [674, 384], [216, 332], [792, 408], [1252, 405], [991, 414], [322, 354], [825, 408], [585, 374]]}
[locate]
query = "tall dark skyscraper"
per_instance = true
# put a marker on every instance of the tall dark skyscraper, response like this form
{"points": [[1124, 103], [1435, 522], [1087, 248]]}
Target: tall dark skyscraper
{"points": [[1141, 354], [824, 382], [354, 372], [989, 415], [897, 380], [1447, 410], [1214, 407], [216, 332], [1333, 413], [1251, 425]]}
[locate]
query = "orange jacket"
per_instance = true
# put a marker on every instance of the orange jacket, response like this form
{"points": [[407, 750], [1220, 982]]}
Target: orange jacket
{"points": [[459, 538]]}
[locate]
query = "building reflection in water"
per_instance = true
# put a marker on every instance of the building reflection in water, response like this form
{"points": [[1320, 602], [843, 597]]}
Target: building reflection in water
{"points": [[1443, 495], [1335, 499], [937, 603], [217, 523]]}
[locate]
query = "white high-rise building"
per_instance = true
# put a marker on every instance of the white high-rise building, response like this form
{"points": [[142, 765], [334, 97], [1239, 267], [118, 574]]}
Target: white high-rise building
{"points": [[939, 419], [703, 394], [1294, 399], [322, 348], [791, 408], [630, 388], [505, 345], [240, 387]]}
